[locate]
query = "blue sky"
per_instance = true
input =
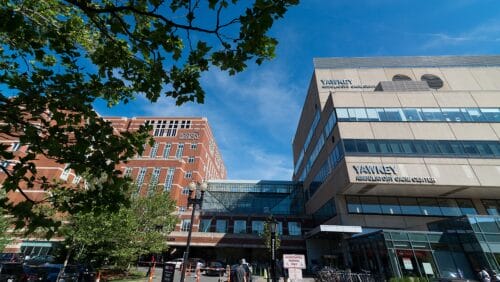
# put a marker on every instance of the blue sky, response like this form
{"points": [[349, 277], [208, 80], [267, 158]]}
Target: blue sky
{"points": [[254, 114]]}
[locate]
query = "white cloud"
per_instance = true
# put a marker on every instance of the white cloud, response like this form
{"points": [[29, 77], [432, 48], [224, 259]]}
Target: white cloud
{"points": [[265, 166], [486, 32]]}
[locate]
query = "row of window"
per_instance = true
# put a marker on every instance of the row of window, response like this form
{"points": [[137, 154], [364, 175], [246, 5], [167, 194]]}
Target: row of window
{"points": [[336, 155], [168, 128], [154, 178], [327, 211], [310, 134], [449, 148], [166, 150], [419, 114], [492, 206], [240, 227], [409, 206]]}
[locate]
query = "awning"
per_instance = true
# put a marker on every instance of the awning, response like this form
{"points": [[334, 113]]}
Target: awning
{"points": [[334, 229]]}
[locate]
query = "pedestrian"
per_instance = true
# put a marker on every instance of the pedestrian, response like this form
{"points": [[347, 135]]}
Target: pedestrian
{"points": [[199, 265], [484, 276], [241, 272]]}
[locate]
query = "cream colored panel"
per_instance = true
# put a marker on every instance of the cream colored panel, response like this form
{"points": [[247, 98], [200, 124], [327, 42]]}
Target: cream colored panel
{"points": [[431, 131], [487, 98], [381, 99], [388, 130], [487, 78], [372, 77], [484, 162], [355, 130], [348, 99], [488, 175], [417, 99], [455, 99], [361, 159], [456, 175], [435, 71], [390, 72], [446, 161], [460, 79], [473, 131], [496, 128]]}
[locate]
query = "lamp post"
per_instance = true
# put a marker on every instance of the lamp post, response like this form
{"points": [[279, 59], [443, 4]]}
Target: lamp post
{"points": [[193, 200], [272, 226]]}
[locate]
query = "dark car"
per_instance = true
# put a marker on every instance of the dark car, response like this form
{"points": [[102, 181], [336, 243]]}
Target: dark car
{"points": [[11, 257], [39, 260], [11, 272], [215, 268]]}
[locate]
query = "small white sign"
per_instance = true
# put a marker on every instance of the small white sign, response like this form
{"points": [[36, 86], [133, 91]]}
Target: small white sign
{"points": [[294, 261], [428, 268], [295, 274], [407, 263]]}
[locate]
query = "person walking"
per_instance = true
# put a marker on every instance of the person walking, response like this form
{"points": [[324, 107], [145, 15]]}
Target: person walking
{"points": [[240, 273]]}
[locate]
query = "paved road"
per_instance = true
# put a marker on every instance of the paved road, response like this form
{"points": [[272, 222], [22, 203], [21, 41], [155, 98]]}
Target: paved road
{"points": [[204, 278]]}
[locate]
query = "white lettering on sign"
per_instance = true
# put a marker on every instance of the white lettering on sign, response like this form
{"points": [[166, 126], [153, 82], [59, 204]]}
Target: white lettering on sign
{"points": [[295, 274], [387, 173], [189, 135], [294, 261], [342, 84]]}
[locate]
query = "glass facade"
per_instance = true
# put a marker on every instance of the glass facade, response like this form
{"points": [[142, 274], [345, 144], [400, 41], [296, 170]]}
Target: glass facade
{"points": [[423, 148], [419, 114], [240, 226], [409, 206], [263, 197], [327, 211]]}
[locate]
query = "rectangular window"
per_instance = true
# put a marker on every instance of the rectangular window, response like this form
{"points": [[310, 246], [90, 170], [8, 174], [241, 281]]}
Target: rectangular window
{"points": [[390, 205], [15, 146], [370, 205], [185, 224], [127, 172], [257, 227], [140, 178], [65, 173], [205, 225], [185, 191], [169, 179], [466, 207], [353, 204], [166, 150], [76, 180], [221, 226], [188, 174], [154, 150], [194, 146], [294, 228], [180, 150], [240, 227], [429, 206], [154, 181], [191, 160], [449, 207]]}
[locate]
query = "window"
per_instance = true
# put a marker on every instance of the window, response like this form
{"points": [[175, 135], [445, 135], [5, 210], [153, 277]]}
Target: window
{"points": [[65, 173], [205, 225], [185, 224], [4, 164], [194, 146], [410, 206], [154, 180], [76, 180], [389, 205], [188, 174], [128, 172], [279, 229], [185, 191], [140, 178], [240, 227], [169, 179], [257, 227], [294, 228], [15, 146], [466, 207], [154, 150], [182, 209], [166, 151], [491, 207], [191, 159], [180, 150], [353, 204], [221, 226]]}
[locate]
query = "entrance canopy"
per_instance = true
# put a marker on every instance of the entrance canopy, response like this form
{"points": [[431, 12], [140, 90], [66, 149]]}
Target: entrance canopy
{"points": [[333, 230]]}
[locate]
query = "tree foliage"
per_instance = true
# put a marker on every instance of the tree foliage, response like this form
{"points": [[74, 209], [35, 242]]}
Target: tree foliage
{"points": [[57, 57], [267, 235], [118, 238]]}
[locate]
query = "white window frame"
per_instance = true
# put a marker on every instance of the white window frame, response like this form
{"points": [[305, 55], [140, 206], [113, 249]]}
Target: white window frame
{"points": [[166, 150], [185, 224], [65, 173], [180, 151], [169, 179], [188, 174], [154, 150]]}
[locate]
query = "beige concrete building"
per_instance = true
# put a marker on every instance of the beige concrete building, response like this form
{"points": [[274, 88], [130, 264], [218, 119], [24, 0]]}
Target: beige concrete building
{"points": [[400, 143]]}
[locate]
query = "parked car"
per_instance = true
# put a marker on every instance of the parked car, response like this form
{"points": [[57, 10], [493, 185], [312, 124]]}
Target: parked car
{"points": [[192, 262], [38, 260], [215, 268], [11, 257], [11, 272], [177, 262]]}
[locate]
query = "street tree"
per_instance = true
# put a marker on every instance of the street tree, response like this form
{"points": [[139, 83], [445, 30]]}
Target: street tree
{"points": [[57, 57], [267, 236], [118, 238]]}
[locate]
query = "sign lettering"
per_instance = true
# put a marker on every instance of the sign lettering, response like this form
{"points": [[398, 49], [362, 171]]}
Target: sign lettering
{"points": [[388, 174], [189, 135], [342, 84]]}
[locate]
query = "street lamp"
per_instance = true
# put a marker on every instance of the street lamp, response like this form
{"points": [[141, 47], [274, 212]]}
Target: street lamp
{"points": [[193, 200], [272, 226]]}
